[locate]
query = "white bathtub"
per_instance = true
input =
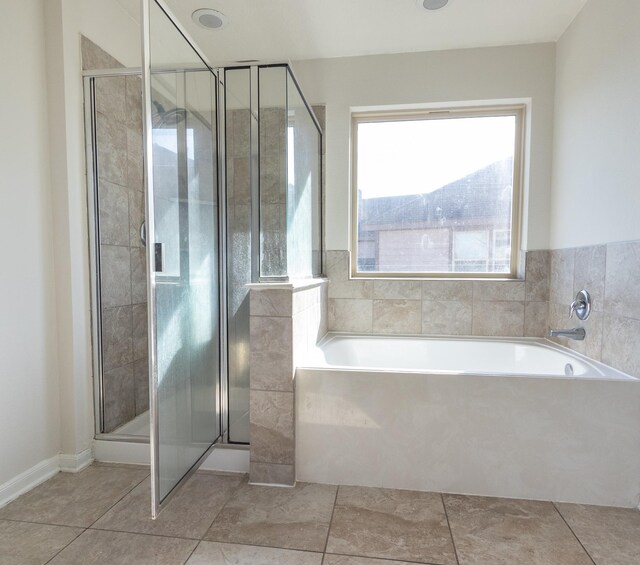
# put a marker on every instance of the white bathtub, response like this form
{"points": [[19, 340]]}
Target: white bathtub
{"points": [[448, 415]]}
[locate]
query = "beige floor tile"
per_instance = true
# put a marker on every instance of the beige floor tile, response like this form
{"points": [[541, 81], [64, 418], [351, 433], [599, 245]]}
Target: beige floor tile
{"points": [[503, 531], [74, 499], [213, 553], [610, 535], [32, 544], [118, 548], [188, 514], [290, 518], [391, 524], [352, 560]]}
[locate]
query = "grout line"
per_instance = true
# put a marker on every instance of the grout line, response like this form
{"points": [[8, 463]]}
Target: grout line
{"points": [[333, 511], [65, 547], [446, 514], [192, 552], [574, 534], [383, 559], [235, 490]]}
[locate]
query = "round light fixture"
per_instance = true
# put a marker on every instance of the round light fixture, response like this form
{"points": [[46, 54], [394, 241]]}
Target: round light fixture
{"points": [[432, 4], [210, 19]]}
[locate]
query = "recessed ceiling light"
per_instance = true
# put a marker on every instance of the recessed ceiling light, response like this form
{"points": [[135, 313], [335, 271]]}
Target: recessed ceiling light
{"points": [[432, 4], [210, 19]]}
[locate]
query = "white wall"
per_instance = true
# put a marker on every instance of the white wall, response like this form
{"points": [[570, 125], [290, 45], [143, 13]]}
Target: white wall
{"points": [[596, 166], [515, 72], [29, 414]]}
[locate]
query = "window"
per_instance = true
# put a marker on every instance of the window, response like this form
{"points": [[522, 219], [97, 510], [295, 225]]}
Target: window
{"points": [[436, 193]]}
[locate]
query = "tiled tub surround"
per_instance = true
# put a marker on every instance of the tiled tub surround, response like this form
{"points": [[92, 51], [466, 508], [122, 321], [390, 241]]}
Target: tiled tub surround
{"points": [[123, 284], [286, 322], [611, 274], [485, 308], [438, 426]]}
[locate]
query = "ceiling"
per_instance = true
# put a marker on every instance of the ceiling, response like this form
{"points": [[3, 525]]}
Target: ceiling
{"points": [[310, 29]]}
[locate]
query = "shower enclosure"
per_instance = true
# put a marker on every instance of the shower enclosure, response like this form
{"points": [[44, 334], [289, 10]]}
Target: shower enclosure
{"points": [[201, 181]]}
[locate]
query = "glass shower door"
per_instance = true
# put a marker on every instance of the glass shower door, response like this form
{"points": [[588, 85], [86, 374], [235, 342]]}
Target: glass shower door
{"points": [[182, 244]]}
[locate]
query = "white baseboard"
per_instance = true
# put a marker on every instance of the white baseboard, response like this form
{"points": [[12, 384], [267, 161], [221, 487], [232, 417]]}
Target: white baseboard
{"points": [[28, 479], [75, 463]]}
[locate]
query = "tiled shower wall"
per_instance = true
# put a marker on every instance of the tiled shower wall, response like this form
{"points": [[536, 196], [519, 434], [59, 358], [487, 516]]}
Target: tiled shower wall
{"points": [[610, 273], [121, 255], [485, 308]]}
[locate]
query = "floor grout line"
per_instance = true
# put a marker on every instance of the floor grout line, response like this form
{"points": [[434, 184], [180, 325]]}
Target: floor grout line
{"points": [[384, 559], [574, 534], [192, 552], [233, 493], [65, 547], [453, 541], [333, 511]]}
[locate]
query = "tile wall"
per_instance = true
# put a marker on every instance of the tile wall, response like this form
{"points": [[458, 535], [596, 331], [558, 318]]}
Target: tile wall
{"points": [[285, 324], [122, 257], [484, 308], [610, 273]]}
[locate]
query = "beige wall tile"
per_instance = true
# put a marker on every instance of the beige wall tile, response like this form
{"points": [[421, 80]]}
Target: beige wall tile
{"points": [[115, 276], [498, 319], [271, 427], [492, 291], [591, 345], [350, 315], [397, 316], [112, 150], [271, 353], [271, 474], [117, 337], [589, 273], [620, 344], [274, 302], [404, 290], [536, 319], [138, 275], [561, 276], [623, 274], [446, 317], [460, 291], [113, 204], [538, 265], [119, 396]]}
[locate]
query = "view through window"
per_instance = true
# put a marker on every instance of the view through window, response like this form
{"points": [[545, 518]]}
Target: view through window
{"points": [[435, 193]]}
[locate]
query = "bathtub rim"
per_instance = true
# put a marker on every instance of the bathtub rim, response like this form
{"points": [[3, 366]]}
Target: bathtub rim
{"points": [[604, 372]]}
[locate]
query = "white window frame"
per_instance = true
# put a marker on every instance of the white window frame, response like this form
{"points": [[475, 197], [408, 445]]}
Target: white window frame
{"points": [[516, 110]]}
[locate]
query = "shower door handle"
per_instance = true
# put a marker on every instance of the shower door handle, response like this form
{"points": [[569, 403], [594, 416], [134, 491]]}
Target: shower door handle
{"points": [[158, 252]]}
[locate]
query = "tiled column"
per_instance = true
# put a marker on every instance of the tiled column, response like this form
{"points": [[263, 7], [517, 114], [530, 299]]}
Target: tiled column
{"points": [[285, 321]]}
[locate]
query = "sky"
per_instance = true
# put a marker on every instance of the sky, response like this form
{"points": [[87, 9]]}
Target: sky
{"points": [[416, 157]]}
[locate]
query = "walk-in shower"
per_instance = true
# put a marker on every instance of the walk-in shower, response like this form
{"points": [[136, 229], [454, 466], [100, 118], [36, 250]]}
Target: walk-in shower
{"points": [[224, 193]]}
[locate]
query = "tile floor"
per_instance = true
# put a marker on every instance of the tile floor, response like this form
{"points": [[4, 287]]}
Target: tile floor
{"points": [[101, 515]]}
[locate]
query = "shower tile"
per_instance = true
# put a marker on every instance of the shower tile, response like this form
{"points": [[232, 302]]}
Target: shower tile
{"points": [[589, 273], [241, 182], [391, 524], [112, 150], [140, 341], [141, 382], [537, 270], [95, 546], [138, 260], [113, 204], [241, 136], [189, 515], [446, 317], [396, 290], [397, 316], [610, 535], [623, 273], [21, 542], [350, 315], [117, 337], [493, 291], [271, 364], [507, 531], [272, 427], [536, 319], [498, 319], [289, 518], [561, 276], [620, 344], [119, 397], [274, 302], [136, 217], [94, 57], [115, 276], [74, 499], [110, 97], [208, 553], [272, 180], [591, 346], [350, 288], [460, 291], [134, 158], [272, 474], [134, 101]]}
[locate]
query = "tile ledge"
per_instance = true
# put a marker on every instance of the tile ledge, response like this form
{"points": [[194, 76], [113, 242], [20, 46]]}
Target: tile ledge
{"points": [[292, 285]]}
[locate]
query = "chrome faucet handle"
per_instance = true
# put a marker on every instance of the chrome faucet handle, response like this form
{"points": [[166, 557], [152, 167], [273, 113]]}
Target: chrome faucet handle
{"points": [[581, 305], [575, 305]]}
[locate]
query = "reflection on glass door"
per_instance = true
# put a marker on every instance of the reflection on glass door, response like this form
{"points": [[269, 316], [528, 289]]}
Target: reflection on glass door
{"points": [[183, 255]]}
